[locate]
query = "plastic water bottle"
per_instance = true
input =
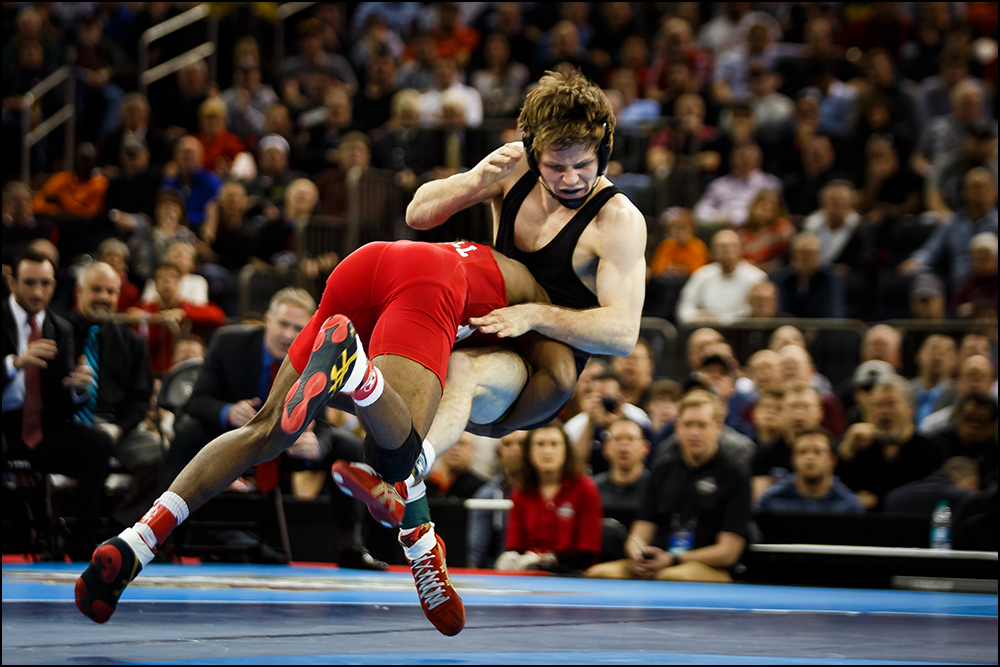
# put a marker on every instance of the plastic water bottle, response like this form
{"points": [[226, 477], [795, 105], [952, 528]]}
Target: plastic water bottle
{"points": [[941, 526]]}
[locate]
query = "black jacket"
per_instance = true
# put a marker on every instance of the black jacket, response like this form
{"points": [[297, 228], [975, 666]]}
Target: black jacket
{"points": [[231, 372], [57, 400], [124, 376]]}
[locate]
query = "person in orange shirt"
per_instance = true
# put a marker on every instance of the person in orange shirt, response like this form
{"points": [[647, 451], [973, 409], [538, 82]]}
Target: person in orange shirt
{"points": [[219, 146], [767, 233], [168, 313], [76, 194], [681, 253], [451, 38]]}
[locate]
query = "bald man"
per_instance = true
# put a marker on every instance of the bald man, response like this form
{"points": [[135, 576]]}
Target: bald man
{"points": [[124, 384], [718, 292]]}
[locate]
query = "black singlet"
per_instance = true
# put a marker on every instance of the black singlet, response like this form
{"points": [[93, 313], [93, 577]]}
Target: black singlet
{"points": [[552, 265]]}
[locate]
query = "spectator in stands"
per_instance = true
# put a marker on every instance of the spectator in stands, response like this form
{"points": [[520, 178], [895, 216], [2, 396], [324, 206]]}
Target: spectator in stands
{"points": [[807, 287], [99, 62], [636, 109], [132, 191], [719, 371], [324, 138], [945, 184], [273, 174], [681, 253], [927, 298], [684, 145], [728, 198], [845, 241], [168, 313], [675, 45], [767, 233], [763, 301], [193, 287], [890, 189], [885, 453], [115, 254], [623, 486], [199, 185], [936, 364], [149, 245], [784, 336], [957, 478], [373, 103], [886, 85], [374, 38], [446, 79], [763, 372], [134, 125], [275, 243], [44, 386], [866, 376], [979, 291], [698, 344], [403, 146], [718, 291], [975, 376], [733, 67], [488, 528], [26, 71], [601, 403], [355, 151], [768, 416], [972, 432], [635, 372], [555, 523], [219, 146], [774, 112], [247, 100], [28, 25], [501, 81], [298, 75], [74, 194], [803, 187], [702, 486], [453, 476], [452, 39], [177, 113], [566, 51], [661, 406], [417, 70], [946, 133], [936, 91], [796, 367], [950, 242], [812, 488], [123, 385], [883, 343], [802, 412], [20, 226]]}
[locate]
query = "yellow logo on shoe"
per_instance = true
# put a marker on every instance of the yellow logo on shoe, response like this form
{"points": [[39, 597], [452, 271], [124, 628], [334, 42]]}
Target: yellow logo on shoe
{"points": [[338, 374]]}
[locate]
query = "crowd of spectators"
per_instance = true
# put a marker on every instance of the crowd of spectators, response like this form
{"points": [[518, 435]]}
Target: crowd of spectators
{"points": [[794, 160]]}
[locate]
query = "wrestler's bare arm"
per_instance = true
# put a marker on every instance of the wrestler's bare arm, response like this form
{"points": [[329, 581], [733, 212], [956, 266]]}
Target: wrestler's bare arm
{"points": [[434, 202], [619, 243]]}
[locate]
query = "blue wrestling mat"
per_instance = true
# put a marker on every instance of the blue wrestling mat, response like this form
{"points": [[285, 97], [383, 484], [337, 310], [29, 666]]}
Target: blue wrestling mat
{"points": [[231, 614]]}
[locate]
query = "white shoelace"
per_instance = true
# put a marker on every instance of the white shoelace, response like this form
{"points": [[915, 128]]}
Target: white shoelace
{"points": [[430, 589]]}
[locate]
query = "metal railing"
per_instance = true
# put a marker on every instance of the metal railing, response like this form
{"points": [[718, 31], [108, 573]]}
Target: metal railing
{"points": [[67, 114], [202, 51], [284, 11]]}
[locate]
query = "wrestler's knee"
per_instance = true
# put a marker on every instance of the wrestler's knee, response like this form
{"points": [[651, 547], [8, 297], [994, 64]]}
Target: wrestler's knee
{"points": [[393, 465]]}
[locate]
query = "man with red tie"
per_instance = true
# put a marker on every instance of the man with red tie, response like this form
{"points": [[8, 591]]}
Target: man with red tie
{"points": [[43, 389]]}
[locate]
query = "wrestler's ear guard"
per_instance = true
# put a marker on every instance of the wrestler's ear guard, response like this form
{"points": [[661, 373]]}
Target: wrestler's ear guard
{"points": [[603, 150]]}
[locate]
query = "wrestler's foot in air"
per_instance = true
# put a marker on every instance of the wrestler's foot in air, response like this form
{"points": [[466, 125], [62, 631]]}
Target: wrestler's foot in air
{"points": [[386, 502], [426, 554], [112, 567], [337, 363]]}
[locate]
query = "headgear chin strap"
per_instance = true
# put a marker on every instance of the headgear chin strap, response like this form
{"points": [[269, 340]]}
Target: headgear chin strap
{"points": [[603, 156]]}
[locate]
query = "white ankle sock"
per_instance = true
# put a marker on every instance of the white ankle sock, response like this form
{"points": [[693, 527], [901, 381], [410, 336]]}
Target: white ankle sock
{"points": [[426, 459], [421, 546], [414, 490], [142, 550]]}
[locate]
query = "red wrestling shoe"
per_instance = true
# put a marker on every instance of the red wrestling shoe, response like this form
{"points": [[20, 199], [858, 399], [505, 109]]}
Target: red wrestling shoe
{"points": [[426, 554], [112, 567], [337, 363], [386, 502]]}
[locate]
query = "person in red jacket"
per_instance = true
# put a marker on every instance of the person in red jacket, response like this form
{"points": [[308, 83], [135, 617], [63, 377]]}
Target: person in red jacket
{"points": [[168, 314], [556, 523]]}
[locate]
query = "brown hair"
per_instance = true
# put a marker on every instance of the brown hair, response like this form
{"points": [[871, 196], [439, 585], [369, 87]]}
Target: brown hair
{"points": [[529, 476], [566, 109]]}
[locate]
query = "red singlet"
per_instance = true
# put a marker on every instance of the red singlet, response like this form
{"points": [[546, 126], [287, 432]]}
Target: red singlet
{"points": [[408, 298]]}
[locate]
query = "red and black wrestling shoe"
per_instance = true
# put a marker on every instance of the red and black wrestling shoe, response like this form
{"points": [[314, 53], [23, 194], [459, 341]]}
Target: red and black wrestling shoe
{"points": [[112, 567], [442, 606], [333, 366], [386, 502]]}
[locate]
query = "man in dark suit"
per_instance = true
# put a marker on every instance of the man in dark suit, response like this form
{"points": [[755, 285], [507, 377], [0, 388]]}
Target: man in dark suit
{"points": [[43, 389], [124, 384], [135, 125], [240, 366], [805, 287]]}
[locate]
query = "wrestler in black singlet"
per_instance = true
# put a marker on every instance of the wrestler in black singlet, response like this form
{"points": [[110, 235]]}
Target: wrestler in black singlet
{"points": [[552, 266]]}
